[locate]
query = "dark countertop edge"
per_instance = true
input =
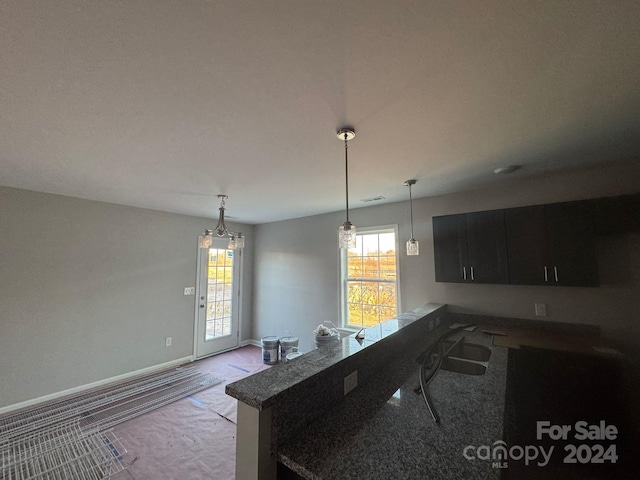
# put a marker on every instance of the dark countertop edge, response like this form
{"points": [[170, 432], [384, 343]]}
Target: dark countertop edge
{"points": [[317, 361], [542, 326]]}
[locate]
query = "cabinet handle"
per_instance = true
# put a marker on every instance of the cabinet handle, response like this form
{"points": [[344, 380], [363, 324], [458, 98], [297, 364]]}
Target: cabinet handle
{"points": [[555, 272], [472, 274], [464, 273], [546, 275]]}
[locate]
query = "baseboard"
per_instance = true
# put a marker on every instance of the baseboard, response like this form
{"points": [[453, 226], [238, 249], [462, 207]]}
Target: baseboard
{"points": [[90, 386], [255, 343]]}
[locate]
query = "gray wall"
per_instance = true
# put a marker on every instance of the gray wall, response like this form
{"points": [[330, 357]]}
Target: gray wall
{"points": [[296, 266], [90, 290]]}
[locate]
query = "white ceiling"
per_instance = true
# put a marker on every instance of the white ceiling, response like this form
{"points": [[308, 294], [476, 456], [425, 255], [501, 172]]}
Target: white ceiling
{"points": [[164, 104]]}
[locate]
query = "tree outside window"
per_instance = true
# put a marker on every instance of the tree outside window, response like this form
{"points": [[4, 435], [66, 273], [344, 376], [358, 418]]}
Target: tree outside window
{"points": [[369, 273]]}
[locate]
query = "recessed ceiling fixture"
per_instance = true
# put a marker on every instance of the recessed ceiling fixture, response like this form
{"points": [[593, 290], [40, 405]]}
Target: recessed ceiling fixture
{"points": [[413, 248], [508, 169], [236, 239], [346, 231]]}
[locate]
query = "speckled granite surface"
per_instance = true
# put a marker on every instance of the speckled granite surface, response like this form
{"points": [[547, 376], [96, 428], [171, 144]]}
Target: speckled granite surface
{"points": [[263, 390], [383, 430], [576, 329]]}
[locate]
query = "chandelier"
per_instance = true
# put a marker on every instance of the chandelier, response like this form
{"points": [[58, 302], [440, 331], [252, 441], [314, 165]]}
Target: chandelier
{"points": [[236, 239]]}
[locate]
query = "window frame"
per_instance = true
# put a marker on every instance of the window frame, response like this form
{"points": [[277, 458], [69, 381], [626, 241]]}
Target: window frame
{"points": [[343, 270]]}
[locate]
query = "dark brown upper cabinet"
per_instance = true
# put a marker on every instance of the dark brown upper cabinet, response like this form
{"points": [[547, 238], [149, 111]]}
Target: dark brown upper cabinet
{"points": [[552, 245], [471, 248], [617, 215]]}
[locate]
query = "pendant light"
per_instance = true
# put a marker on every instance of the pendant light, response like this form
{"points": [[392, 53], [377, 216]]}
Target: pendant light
{"points": [[412, 243], [236, 239], [346, 231]]}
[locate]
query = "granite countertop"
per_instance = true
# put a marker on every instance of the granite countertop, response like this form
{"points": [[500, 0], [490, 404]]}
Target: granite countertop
{"points": [[263, 390], [383, 429]]}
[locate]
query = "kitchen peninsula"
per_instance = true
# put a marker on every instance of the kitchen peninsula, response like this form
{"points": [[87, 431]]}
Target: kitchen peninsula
{"points": [[298, 414]]}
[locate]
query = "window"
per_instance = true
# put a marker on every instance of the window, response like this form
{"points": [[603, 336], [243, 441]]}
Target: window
{"points": [[219, 293], [369, 287]]}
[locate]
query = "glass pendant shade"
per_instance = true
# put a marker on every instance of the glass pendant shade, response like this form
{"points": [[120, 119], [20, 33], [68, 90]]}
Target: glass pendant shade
{"points": [[205, 240], [236, 242], [347, 235], [413, 248]]}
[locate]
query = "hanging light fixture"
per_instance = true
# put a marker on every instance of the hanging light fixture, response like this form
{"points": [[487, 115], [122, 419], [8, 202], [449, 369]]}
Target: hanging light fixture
{"points": [[346, 231], [412, 243], [236, 239]]}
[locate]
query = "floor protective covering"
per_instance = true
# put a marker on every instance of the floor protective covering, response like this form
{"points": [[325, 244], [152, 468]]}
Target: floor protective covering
{"points": [[193, 438]]}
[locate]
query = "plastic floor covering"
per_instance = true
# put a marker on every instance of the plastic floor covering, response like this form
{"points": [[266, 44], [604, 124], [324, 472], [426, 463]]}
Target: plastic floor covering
{"points": [[193, 438]]}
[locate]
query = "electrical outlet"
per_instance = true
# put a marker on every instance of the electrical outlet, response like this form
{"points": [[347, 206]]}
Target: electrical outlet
{"points": [[437, 321], [189, 290], [168, 341], [350, 382], [541, 309]]}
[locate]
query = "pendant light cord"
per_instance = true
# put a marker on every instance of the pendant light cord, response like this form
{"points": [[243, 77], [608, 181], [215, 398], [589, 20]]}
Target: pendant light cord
{"points": [[346, 173], [411, 211]]}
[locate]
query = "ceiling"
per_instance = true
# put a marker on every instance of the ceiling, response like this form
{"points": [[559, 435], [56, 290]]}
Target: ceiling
{"points": [[164, 104]]}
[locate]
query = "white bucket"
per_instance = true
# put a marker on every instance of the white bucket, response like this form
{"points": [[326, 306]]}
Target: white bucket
{"points": [[292, 355], [270, 348], [333, 338], [287, 345], [322, 340]]}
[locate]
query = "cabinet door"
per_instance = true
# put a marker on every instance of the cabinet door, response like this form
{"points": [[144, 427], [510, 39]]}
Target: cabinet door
{"points": [[571, 237], [617, 215], [527, 250], [450, 247], [487, 247]]}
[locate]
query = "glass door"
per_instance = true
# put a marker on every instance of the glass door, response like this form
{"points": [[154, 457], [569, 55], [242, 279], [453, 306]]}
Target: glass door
{"points": [[217, 326]]}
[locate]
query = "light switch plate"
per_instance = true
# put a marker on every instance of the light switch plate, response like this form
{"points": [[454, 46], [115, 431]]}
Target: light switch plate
{"points": [[189, 290], [168, 341]]}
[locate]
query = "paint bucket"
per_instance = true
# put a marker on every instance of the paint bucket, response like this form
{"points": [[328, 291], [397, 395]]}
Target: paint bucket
{"points": [[331, 339], [293, 355], [270, 348], [287, 345], [322, 340]]}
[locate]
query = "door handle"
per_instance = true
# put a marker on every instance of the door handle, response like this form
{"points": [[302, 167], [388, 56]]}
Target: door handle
{"points": [[464, 273], [472, 279], [546, 274], [202, 306], [555, 272]]}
